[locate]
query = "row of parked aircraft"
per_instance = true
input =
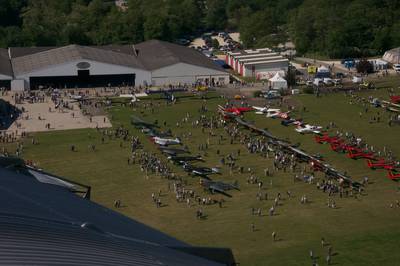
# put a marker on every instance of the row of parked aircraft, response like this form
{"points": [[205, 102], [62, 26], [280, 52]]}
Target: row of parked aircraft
{"points": [[339, 145], [183, 157], [301, 127]]}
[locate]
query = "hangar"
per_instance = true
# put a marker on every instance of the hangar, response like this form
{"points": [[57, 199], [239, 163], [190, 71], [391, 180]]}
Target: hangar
{"points": [[172, 64], [75, 66], [152, 62]]}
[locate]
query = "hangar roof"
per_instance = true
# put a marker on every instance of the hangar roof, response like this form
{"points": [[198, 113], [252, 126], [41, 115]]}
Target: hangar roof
{"points": [[5, 64], [47, 224], [155, 54], [32, 59]]}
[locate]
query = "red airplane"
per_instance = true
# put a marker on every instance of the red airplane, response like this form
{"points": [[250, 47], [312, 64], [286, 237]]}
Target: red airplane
{"points": [[395, 98], [325, 138], [381, 164], [357, 154], [237, 111], [393, 176], [339, 145]]}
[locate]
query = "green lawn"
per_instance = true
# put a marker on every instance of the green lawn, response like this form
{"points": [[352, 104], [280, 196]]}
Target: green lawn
{"points": [[363, 231]]}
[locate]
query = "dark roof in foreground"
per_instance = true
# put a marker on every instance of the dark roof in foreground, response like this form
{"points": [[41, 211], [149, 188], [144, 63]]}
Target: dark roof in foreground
{"points": [[47, 224], [5, 63], [155, 54]]}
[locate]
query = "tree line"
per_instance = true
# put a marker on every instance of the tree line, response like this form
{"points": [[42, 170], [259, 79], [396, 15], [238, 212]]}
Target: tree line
{"points": [[332, 28]]}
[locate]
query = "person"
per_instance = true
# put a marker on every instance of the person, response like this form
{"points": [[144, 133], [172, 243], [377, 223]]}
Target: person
{"points": [[253, 227], [117, 203], [311, 254], [274, 236], [328, 259]]}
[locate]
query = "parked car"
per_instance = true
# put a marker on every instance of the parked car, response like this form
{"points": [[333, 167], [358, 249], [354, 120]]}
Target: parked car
{"points": [[396, 67]]}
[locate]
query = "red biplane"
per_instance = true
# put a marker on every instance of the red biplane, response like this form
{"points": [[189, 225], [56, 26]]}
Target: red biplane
{"points": [[237, 111], [381, 163], [355, 153], [393, 176], [395, 98]]}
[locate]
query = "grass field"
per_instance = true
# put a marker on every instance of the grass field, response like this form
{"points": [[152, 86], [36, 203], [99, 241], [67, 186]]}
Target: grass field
{"points": [[362, 231]]}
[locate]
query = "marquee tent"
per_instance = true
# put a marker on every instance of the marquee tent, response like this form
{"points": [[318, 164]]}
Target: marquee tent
{"points": [[277, 82]]}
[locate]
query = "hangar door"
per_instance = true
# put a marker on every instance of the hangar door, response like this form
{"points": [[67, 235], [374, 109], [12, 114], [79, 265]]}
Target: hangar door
{"points": [[83, 79]]}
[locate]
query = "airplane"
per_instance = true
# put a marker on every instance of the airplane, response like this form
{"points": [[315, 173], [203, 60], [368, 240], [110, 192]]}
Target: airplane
{"points": [[200, 171], [77, 97], [381, 164], [304, 129], [218, 186], [357, 154], [183, 159], [264, 110], [132, 96], [395, 98], [236, 111], [166, 142], [393, 176], [171, 151], [278, 114], [326, 138], [139, 123], [291, 121]]}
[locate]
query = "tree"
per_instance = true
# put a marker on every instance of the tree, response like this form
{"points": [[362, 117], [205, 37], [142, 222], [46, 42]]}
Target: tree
{"points": [[365, 67]]}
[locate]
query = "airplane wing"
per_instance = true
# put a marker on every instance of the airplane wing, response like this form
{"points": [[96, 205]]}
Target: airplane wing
{"points": [[216, 188], [261, 109]]}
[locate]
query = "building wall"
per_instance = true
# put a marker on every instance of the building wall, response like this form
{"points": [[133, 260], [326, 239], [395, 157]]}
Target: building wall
{"points": [[96, 68], [185, 73], [268, 67]]}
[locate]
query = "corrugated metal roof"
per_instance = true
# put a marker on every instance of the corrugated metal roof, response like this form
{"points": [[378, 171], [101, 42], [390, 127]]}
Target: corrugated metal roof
{"points": [[45, 224], [156, 54], [50, 57]]}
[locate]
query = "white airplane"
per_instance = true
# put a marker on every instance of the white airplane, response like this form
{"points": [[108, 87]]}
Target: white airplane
{"points": [[278, 114], [132, 96], [304, 129], [75, 97], [166, 142], [265, 110]]}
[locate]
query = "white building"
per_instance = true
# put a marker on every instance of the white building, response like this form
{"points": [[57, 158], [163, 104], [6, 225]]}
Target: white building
{"points": [[148, 63], [256, 63]]}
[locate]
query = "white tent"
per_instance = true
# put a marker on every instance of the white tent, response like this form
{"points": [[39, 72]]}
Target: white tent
{"points": [[392, 56], [277, 82], [323, 69]]}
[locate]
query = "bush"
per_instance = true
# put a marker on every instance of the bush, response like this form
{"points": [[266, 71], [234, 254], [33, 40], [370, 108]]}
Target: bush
{"points": [[308, 90], [364, 66], [257, 94]]}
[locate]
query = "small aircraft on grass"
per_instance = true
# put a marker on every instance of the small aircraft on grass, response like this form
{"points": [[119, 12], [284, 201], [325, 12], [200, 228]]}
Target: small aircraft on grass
{"points": [[265, 110], [355, 153], [165, 141], [218, 186], [304, 129], [139, 123], [184, 159], [171, 151], [393, 176], [200, 171], [236, 111], [278, 114], [382, 163], [395, 98]]}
